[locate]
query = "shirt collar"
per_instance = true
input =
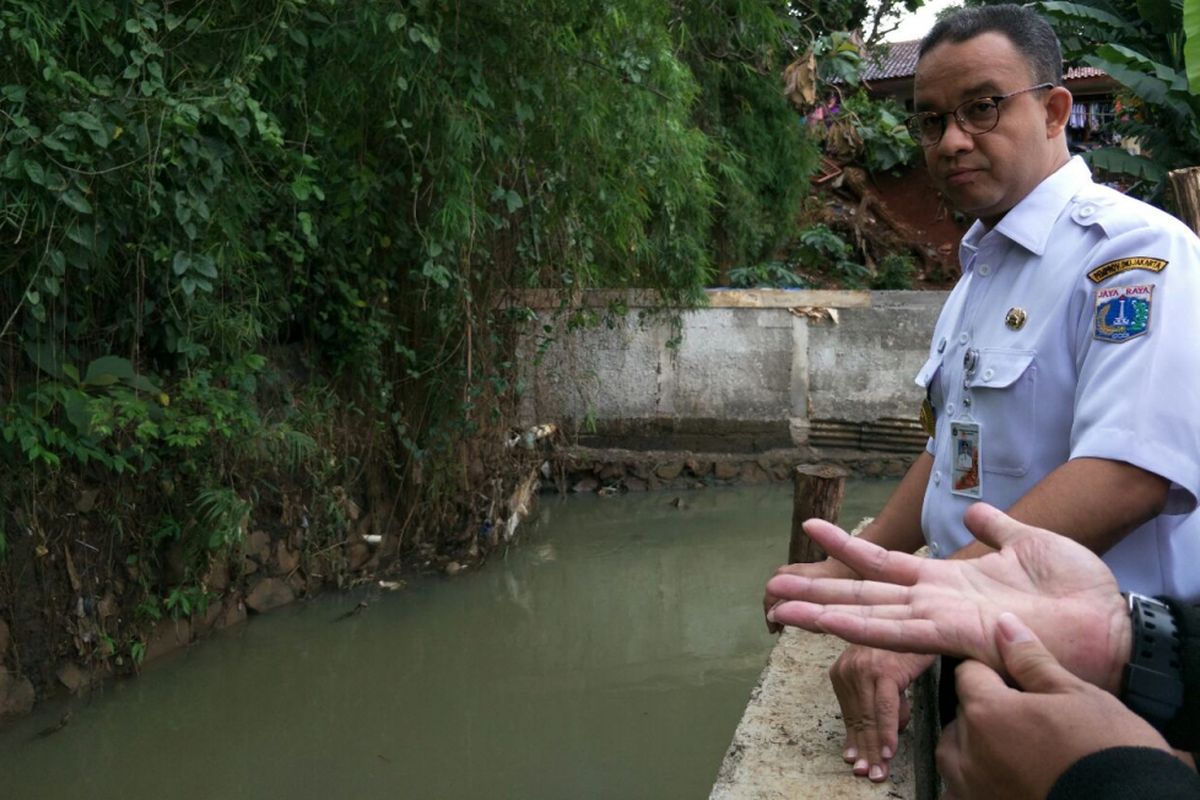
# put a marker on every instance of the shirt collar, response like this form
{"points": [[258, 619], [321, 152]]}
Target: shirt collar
{"points": [[1030, 221]]}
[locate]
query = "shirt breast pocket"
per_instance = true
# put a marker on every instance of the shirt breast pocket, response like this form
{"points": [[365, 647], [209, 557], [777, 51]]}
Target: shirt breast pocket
{"points": [[1003, 392]]}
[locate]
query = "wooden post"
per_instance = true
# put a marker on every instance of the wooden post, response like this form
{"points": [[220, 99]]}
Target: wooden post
{"points": [[1186, 183], [819, 489]]}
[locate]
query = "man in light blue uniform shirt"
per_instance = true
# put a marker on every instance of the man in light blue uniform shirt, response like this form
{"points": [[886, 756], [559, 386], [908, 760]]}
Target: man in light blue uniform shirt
{"points": [[1073, 334], [1063, 380]]}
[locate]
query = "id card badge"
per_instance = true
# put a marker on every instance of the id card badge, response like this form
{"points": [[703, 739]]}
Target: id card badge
{"points": [[968, 459]]}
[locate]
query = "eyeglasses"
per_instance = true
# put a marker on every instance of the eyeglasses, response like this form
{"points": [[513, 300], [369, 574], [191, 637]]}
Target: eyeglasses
{"points": [[975, 117]]}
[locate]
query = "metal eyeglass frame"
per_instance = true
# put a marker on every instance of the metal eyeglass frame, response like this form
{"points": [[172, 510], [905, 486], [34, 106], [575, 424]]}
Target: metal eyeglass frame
{"points": [[912, 124]]}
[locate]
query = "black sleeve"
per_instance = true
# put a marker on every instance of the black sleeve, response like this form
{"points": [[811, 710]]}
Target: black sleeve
{"points": [[1127, 773], [1184, 731]]}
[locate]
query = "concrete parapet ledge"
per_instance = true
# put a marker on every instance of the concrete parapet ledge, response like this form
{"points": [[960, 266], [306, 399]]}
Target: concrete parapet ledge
{"points": [[788, 744]]}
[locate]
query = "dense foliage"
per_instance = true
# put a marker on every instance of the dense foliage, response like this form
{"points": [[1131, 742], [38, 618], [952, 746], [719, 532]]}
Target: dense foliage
{"points": [[1141, 44], [255, 257]]}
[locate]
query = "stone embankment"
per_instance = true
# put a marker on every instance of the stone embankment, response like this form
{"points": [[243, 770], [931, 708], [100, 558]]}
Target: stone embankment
{"points": [[611, 471]]}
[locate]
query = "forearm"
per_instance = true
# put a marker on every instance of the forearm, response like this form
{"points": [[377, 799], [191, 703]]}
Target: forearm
{"points": [[1093, 501], [898, 525]]}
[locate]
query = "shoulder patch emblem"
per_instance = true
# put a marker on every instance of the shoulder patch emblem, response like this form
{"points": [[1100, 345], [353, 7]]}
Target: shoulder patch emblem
{"points": [[1122, 312], [1107, 270]]}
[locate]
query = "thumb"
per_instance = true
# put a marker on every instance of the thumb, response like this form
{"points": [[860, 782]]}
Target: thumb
{"points": [[993, 527], [1031, 666]]}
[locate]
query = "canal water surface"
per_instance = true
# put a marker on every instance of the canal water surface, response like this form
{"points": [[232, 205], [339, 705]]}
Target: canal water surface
{"points": [[609, 654]]}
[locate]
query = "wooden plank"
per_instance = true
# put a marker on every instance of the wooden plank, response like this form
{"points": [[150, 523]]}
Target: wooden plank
{"points": [[787, 298], [550, 299]]}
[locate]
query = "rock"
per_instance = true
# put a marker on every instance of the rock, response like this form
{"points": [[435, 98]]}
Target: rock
{"points": [[669, 471], [286, 560], [72, 676], [16, 695], [298, 583], [86, 500], [894, 468], [872, 469], [781, 471], [453, 568], [167, 636], [212, 614], [233, 612], [726, 471], [217, 577], [3, 640], [585, 485], [698, 468], [753, 473], [358, 554], [610, 472], [269, 593], [258, 546], [636, 485]]}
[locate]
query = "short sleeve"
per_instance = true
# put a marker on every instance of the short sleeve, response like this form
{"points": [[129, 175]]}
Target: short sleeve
{"points": [[1138, 356]]}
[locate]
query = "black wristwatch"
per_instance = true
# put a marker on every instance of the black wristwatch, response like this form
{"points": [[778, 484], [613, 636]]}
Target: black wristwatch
{"points": [[1153, 682]]}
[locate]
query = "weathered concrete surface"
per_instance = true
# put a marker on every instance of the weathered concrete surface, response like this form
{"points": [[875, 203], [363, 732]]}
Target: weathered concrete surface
{"points": [[862, 368], [788, 745], [749, 373]]}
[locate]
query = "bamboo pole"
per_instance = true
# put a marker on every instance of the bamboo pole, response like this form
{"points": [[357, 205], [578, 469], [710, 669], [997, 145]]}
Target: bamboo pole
{"points": [[818, 492], [1186, 184]]}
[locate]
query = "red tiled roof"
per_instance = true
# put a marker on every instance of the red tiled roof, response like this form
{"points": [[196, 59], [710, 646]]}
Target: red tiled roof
{"points": [[899, 60], [894, 60]]}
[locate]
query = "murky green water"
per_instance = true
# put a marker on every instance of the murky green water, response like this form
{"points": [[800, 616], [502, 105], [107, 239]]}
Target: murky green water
{"points": [[609, 655]]}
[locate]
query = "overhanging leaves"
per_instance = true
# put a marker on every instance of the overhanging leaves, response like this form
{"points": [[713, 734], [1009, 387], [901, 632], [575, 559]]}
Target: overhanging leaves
{"points": [[1191, 43], [1118, 161]]}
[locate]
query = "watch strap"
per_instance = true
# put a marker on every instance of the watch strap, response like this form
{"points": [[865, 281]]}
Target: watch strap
{"points": [[1153, 681]]}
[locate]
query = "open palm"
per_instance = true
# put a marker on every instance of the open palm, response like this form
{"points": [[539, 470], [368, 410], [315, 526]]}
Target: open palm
{"points": [[919, 605]]}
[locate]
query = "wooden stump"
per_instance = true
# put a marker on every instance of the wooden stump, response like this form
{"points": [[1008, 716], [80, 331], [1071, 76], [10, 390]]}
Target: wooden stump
{"points": [[819, 489], [1186, 184]]}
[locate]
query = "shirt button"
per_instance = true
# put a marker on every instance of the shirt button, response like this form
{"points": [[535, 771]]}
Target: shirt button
{"points": [[963, 338], [985, 270], [935, 548], [937, 478], [1087, 210], [950, 409], [942, 345], [988, 374]]}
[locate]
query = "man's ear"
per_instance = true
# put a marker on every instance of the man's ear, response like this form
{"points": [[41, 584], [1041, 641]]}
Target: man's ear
{"points": [[1058, 110]]}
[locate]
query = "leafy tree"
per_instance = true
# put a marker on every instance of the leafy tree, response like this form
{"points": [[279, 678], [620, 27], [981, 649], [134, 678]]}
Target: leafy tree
{"points": [[1142, 46], [254, 252], [760, 156]]}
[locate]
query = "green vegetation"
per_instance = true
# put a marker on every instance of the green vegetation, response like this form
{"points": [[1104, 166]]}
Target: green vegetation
{"points": [[257, 259], [1142, 45]]}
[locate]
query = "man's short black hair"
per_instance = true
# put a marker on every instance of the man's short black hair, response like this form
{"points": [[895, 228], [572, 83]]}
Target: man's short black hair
{"points": [[1025, 28]]}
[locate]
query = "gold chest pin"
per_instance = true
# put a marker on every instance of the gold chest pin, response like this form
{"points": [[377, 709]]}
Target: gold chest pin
{"points": [[1015, 318]]}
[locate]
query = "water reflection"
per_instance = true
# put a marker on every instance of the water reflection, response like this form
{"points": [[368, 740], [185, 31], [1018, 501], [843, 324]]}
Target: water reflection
{"points": [[609, 654]]}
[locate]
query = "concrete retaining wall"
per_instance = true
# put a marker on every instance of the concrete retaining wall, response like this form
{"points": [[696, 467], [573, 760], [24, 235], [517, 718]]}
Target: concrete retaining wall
{"points": [[750, 372]]}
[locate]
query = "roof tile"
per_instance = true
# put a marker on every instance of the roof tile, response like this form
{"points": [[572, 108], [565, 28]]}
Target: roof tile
{"points": [[899, 60]]}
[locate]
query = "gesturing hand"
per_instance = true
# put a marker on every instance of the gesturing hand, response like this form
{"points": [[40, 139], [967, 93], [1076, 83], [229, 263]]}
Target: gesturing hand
{"points": [[870, 686], [818, 569], [1008, 743], [920, 605]]}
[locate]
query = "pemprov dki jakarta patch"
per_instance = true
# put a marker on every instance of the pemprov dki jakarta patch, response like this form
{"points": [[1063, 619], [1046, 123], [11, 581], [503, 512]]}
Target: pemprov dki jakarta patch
{"points": [[1110, 268]]}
